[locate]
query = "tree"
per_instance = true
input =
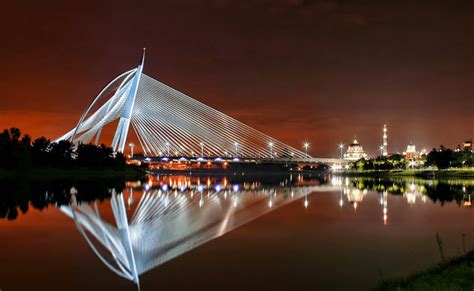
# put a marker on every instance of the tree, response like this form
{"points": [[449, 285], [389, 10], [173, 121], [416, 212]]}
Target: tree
{"points": [[442, 158], [18, 152], [39, 152], [23, 152], [61, 153], [15, 134], [361, 164], [14, 149]]}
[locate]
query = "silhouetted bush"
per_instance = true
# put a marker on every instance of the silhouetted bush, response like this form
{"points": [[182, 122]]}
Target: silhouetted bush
{"points": [[444, 158], [18, 152]]}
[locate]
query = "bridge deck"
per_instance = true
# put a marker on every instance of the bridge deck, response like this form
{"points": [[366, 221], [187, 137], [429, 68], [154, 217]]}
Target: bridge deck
{"points": [[312, 160]]}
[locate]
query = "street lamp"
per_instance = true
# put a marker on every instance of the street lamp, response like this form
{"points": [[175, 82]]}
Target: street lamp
{"points": [[381, 147], [202, 149], [132, 145], [270, 144], [341, 148], [306, 145]]}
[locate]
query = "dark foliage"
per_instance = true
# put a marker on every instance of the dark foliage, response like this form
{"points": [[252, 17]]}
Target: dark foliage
{"points": [[18, 152], [444, 158], [89, 155], [392, 162]]}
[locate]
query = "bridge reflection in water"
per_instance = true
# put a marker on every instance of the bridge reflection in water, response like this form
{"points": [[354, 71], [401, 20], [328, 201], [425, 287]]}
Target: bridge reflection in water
{"points": [[156, 221]]}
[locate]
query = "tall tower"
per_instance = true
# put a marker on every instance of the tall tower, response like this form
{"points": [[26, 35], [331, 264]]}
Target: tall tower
{"points": [[385, 142]]}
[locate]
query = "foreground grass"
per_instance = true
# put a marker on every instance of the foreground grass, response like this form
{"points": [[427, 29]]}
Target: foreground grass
{"points": [[455, 173], [454, 274]]}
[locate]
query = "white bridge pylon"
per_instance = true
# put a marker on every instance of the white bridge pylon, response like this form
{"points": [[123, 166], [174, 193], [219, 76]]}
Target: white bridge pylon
{"points": [[170, 123]]}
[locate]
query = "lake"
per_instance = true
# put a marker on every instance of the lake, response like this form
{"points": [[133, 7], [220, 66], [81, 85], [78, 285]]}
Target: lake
{"points": [[235, 232]]}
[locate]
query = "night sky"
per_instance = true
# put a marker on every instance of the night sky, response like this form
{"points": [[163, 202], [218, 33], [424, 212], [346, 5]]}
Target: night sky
{"points": [[321, 71]]}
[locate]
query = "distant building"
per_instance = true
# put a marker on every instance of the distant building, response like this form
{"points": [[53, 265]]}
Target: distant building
{"points": [[411, 153], [468, 145], [385, 141], [355, 152]]}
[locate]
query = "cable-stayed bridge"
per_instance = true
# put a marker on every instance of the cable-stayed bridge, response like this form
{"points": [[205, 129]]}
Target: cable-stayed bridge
{"points": [[167, 122]]}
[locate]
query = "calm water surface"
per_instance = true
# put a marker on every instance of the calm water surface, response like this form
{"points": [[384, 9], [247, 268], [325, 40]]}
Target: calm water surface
{"points": [[174, 232]]}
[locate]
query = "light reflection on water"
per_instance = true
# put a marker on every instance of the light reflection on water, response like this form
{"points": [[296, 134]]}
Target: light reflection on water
{"points": [[413, 190], [170, 215], [140, 225], [353, 190]]}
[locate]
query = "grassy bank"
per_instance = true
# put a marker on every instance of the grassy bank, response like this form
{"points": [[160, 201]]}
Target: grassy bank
{"points": [[454, 274], [455, 173], [83, 173]]}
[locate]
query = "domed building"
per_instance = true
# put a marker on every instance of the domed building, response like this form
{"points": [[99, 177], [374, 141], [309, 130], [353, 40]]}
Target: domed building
{"points": [[355, 152], [411, 153]]}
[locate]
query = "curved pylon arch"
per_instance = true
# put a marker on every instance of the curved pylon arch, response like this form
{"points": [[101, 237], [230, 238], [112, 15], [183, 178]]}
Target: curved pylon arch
{"points": [[83, 122]]}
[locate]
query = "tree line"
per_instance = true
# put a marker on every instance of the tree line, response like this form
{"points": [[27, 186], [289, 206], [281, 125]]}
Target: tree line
{"points": [[444, 158], [19, 151], [441, 158], [392, 162]]}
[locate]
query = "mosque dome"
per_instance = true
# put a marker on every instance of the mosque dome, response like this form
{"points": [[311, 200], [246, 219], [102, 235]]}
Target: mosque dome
{"points": [[355, 151]]}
